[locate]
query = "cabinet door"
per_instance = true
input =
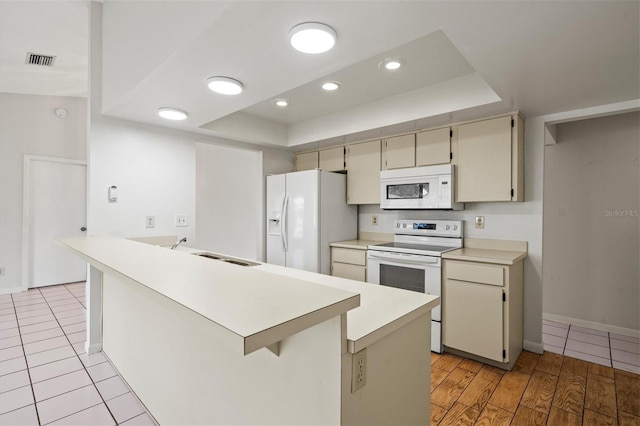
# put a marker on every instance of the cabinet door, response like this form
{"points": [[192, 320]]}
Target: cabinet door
{"points": [[399, 152], [484, 161], [433, 147], [332, 159], [473, 318], [306, 161], [345, 270], [363, 173]]}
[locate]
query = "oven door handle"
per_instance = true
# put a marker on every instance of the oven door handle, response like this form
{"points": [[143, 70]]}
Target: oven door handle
{"points": [[398, 259]]}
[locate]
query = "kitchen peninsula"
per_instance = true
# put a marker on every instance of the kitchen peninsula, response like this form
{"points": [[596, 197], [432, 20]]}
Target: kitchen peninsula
{"points": [[202, 341]]}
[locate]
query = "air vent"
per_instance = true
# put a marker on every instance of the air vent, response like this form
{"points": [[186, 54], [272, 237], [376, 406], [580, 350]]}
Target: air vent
{"points": [[38, 59]]}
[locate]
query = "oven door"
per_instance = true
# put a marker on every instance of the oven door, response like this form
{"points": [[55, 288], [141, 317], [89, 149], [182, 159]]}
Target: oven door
{"points": [[406, 271]]}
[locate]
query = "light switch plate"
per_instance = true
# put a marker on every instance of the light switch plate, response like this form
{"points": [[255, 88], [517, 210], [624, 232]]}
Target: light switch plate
{"points": [[150, 221]]}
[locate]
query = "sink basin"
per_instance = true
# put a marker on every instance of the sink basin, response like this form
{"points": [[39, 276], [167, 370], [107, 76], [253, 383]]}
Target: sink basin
{"points": [[232, 260]]}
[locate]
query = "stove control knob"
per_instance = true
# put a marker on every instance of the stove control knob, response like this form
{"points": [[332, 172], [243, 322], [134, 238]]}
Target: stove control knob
{"points": [[447, 227], [404, 225], [455, 227], [397, 225]]}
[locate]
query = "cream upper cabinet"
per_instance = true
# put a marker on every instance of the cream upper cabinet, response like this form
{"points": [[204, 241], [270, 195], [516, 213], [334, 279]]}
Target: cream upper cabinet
{"points": [[332, 159], [489, 161], [433, 147], [306, 160], [363, 173], [399, 152]]}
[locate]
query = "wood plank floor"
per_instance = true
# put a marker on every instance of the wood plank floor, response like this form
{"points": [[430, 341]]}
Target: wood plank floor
{"points": [[548, 389]]}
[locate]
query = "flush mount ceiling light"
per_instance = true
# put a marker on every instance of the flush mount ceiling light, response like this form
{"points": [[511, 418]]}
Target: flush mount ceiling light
{"points": [[172, 114], [282, 103], [330, 86], [312, 37], [392, 64], [225, 85]]}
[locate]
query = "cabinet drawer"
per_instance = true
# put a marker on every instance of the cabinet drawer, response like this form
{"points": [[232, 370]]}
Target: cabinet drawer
{"points": [[473, 272], [356, 257], [352, 272]]}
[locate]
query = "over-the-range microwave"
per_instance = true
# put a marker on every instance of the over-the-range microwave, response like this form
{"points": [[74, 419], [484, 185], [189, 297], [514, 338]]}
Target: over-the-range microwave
{"points": [[419, 188]]}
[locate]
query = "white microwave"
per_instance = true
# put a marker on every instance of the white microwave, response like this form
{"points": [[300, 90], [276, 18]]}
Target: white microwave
{"points": [[419, 188]]}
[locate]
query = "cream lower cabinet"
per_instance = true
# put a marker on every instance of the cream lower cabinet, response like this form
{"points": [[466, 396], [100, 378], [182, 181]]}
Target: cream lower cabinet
{"points": [[349, 263], [482, 310]]}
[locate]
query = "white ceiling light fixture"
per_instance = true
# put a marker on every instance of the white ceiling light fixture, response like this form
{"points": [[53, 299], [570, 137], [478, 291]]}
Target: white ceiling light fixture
{"points": [[282, 103], [330, 86], [312, 37], [172, 114], [392, 64], [60, 112], [225, 85]]}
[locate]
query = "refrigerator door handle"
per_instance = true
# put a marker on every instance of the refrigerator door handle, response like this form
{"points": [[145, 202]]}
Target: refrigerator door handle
{"points": [[283, 223]]}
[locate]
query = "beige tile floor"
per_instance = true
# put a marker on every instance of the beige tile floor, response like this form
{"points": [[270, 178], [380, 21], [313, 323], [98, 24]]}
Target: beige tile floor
{"points": [[46, 377]]}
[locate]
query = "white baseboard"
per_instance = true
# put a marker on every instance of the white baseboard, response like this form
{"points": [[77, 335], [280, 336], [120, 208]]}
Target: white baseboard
{"points": [[11, 290], [534, 347], [92, 349], [593, 325]]}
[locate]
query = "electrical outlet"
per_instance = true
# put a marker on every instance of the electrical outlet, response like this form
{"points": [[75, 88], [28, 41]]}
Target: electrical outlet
{"points": [[181, 220], [2, 270], [374, 220], [480, 222], [150, 221], [359, 370]]}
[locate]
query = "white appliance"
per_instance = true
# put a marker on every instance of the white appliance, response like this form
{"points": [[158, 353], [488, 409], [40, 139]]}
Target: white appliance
{"points": [[413, 261], [305, 212], [419, 188]]}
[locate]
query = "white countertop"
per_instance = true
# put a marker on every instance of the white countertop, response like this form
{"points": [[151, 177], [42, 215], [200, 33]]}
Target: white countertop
{"points": [[382, 309], [259, 303], [356, 244], [502, 257], [260, 307]]}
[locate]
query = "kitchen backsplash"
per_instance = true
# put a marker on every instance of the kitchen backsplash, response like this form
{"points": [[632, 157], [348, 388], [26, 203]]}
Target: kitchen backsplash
{"points": [[502, 221]]}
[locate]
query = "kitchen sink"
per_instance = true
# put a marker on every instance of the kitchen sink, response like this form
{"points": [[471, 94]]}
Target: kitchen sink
{"points": [[231, 260]]}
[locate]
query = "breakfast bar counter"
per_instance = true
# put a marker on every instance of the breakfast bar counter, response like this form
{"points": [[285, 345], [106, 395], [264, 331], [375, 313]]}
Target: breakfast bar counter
{"points": [[202, 341]]}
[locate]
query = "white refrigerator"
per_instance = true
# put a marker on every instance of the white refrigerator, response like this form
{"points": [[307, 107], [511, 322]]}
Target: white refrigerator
{"points": [[305, 212]]}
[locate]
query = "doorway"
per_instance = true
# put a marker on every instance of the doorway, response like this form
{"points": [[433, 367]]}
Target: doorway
{"points": [[54, 206]]}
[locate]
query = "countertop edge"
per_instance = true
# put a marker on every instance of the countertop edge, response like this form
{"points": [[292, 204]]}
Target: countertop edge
{"points": [[486, 256]]}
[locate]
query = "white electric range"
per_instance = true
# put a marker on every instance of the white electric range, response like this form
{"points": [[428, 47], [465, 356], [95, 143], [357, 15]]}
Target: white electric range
{"points": [[413, 261]]}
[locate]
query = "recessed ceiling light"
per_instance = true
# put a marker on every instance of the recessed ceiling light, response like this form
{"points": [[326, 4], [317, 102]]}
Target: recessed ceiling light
{"points": [[225, 85], [281, 103], [392, 64], [312, 37], [172, 114], [331, 86]]}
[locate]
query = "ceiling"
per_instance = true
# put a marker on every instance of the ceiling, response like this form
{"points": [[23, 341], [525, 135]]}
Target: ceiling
{"points": [[463, 60]]}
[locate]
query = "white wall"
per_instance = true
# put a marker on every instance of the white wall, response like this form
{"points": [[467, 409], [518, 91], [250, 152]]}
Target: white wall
{"points": [[154, 171], [229, 200], [30, 126], [591, 222], [503, 221]]}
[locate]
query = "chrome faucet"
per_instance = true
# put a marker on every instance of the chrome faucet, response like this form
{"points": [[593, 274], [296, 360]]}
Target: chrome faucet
{"points": [[184, 240]]}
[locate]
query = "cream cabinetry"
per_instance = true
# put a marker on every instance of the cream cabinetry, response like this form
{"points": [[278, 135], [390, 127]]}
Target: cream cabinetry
{"points": [[349, 263], [482, 310], [363, 173], [433, 147], [489, 161], [399, 152], [306, 160], [332, 159]]}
